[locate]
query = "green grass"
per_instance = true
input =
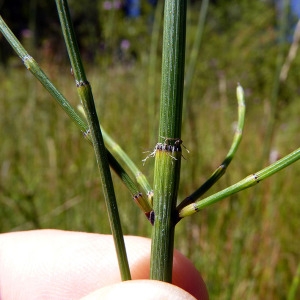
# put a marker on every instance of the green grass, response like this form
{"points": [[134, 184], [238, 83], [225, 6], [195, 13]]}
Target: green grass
{"points": [[245, 247]]}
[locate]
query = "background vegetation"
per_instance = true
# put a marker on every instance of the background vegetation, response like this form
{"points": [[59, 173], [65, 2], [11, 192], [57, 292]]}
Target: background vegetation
{"points": [[246, 246]]}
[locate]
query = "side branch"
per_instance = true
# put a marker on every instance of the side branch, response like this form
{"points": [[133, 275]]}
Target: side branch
{"points": [[247, 182]]}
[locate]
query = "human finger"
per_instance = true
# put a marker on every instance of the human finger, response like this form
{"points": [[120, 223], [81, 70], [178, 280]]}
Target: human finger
{"points": [[140, 289], [72, 264]]}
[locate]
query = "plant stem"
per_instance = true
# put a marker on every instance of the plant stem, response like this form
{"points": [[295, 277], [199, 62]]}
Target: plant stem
{"points": [[270, 130], [168, 151], [144, 204], [193, 56], [123, 157], [39, 74], [86, 97], [220, 171], [35, 69], [245, 183]]}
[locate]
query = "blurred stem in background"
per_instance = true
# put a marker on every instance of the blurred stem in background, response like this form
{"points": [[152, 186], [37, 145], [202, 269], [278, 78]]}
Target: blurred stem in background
{"points": [[152, 68], [282, 37]]}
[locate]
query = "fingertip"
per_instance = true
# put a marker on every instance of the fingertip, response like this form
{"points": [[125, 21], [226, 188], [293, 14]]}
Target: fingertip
{"points": [[140, 289], [186, 276]]}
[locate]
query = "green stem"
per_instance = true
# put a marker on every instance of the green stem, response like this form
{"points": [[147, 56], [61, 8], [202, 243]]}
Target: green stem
{"points": [[247, 182], [86, 97], [35, 69], [168, 151], [220, 171], [276, 84], [144, 204], [195, 50], [120, 153]]}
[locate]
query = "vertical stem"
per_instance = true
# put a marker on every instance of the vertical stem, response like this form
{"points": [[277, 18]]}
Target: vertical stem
{"points": [[168, 151], [85, 93], [172, 69]]}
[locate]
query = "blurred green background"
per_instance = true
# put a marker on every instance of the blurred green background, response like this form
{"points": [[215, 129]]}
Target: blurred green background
{"points": [[246, 246]]}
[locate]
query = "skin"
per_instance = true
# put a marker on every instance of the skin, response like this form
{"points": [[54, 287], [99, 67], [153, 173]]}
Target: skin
{"points": [[54, 264]]}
